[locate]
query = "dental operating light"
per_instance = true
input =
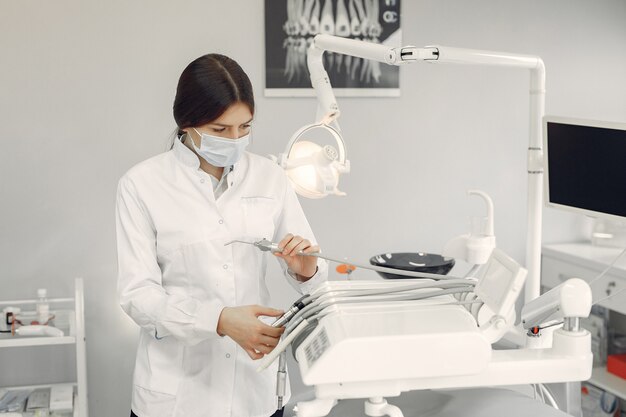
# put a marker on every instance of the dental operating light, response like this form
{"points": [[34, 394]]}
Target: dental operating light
{"points": [[313, 169], [319, 180]]}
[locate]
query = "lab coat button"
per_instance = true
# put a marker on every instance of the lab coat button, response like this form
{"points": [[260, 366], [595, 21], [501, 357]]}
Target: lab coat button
{"points": [[202, 180], [221, 221], [228, 355], [225, 266]]}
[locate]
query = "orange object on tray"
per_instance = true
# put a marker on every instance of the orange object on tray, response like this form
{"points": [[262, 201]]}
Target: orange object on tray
{"points": [[345, 268], [616, 364]]}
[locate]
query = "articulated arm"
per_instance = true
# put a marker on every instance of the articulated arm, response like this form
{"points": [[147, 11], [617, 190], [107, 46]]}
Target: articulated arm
{"points": [[328, 109]]}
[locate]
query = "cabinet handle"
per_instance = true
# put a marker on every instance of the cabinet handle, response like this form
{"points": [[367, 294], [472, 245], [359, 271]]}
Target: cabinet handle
{"points": [[610, 287]]}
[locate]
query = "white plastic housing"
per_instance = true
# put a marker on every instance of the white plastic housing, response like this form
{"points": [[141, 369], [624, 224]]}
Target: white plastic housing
{"points": [[570, 299], [384, 349], [500, 283], [391, 341]]}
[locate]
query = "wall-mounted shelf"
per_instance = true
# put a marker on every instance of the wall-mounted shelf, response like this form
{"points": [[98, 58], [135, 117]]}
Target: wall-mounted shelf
{"points": [[601, 378], [36, 341]]}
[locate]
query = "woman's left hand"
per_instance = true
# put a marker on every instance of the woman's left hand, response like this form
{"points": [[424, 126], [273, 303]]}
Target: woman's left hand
{"points": [[304, 266]]}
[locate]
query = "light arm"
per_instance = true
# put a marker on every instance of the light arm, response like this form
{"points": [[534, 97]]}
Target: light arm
{"points": [[328, 109]]}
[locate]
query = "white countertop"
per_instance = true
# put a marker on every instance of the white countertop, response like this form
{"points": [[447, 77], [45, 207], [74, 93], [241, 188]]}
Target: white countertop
{"points": [[596, 256]]}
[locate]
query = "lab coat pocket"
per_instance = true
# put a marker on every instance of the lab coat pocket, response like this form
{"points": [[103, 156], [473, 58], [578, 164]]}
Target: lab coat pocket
{"points": [[159, 368], [259, 215], [195, 270]]}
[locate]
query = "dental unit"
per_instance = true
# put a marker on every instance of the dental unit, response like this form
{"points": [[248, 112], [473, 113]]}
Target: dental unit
{"points": [[368, 339]]}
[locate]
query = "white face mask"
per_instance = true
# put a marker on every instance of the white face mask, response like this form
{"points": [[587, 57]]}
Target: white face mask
{"points": [[220, 152]]}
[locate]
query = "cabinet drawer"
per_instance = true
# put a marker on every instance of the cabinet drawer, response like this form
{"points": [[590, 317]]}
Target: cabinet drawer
{"points": [[556, 271]]}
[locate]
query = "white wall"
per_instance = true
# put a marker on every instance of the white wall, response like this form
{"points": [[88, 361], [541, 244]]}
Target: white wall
{"points": [[86, 90]]}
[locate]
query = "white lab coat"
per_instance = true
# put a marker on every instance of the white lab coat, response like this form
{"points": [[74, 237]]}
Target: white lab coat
{"points": [[176, 275]]}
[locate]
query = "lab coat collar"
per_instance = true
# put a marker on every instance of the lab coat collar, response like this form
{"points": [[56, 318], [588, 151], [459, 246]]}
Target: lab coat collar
{"points": [[185, 155]]}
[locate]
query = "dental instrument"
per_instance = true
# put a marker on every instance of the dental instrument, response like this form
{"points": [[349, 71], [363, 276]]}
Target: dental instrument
{"points": [[296, 310], [267, 246]]}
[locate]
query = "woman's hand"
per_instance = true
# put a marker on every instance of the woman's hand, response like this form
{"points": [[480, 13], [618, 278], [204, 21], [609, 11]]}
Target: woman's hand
{"points": [[304, 266], [242, 324]]}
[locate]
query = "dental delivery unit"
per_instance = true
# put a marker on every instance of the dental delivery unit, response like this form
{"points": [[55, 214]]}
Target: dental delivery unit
{"points": [[433, 332], [374, 339]]}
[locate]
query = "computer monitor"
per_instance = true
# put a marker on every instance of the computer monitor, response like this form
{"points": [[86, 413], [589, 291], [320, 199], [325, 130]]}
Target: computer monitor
{"points": [[585, 166]]}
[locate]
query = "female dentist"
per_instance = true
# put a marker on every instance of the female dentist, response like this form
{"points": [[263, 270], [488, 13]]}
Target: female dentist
{"points": [[197, 301]]}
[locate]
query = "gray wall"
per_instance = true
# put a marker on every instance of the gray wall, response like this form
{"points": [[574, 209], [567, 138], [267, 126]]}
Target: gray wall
{"points": [[86, 90]]}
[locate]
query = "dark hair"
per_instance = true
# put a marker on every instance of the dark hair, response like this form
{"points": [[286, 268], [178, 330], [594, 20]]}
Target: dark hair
{"points": [[207, 87]]}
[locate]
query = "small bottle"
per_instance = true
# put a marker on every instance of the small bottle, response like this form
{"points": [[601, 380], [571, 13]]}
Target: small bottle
{"points": [[43, 309]]}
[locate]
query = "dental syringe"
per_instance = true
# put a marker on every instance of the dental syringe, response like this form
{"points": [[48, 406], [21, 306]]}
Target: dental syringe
{"points": [[267, 246]]}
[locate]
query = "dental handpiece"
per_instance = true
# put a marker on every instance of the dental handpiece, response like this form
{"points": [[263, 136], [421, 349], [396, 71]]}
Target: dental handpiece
{"points": [[268, 246], [281, 374], [265, 245], [292, 311]]}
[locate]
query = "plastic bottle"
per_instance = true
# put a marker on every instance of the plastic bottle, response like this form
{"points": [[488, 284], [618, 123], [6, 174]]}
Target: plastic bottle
{"points": [[43, 309]]}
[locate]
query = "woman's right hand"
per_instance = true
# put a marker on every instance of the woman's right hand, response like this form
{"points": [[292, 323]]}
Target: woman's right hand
{"points": [[242, 324]]}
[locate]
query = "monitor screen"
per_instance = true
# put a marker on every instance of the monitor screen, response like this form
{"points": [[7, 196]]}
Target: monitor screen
{"points": [[585, 165]]}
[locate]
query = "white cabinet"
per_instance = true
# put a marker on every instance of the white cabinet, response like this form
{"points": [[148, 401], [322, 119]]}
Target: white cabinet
{"points": [[69, 317], [582, 260]]}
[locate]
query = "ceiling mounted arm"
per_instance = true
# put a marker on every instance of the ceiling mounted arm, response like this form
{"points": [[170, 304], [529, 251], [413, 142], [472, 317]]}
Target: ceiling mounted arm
{"points": [[328, 110]]}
